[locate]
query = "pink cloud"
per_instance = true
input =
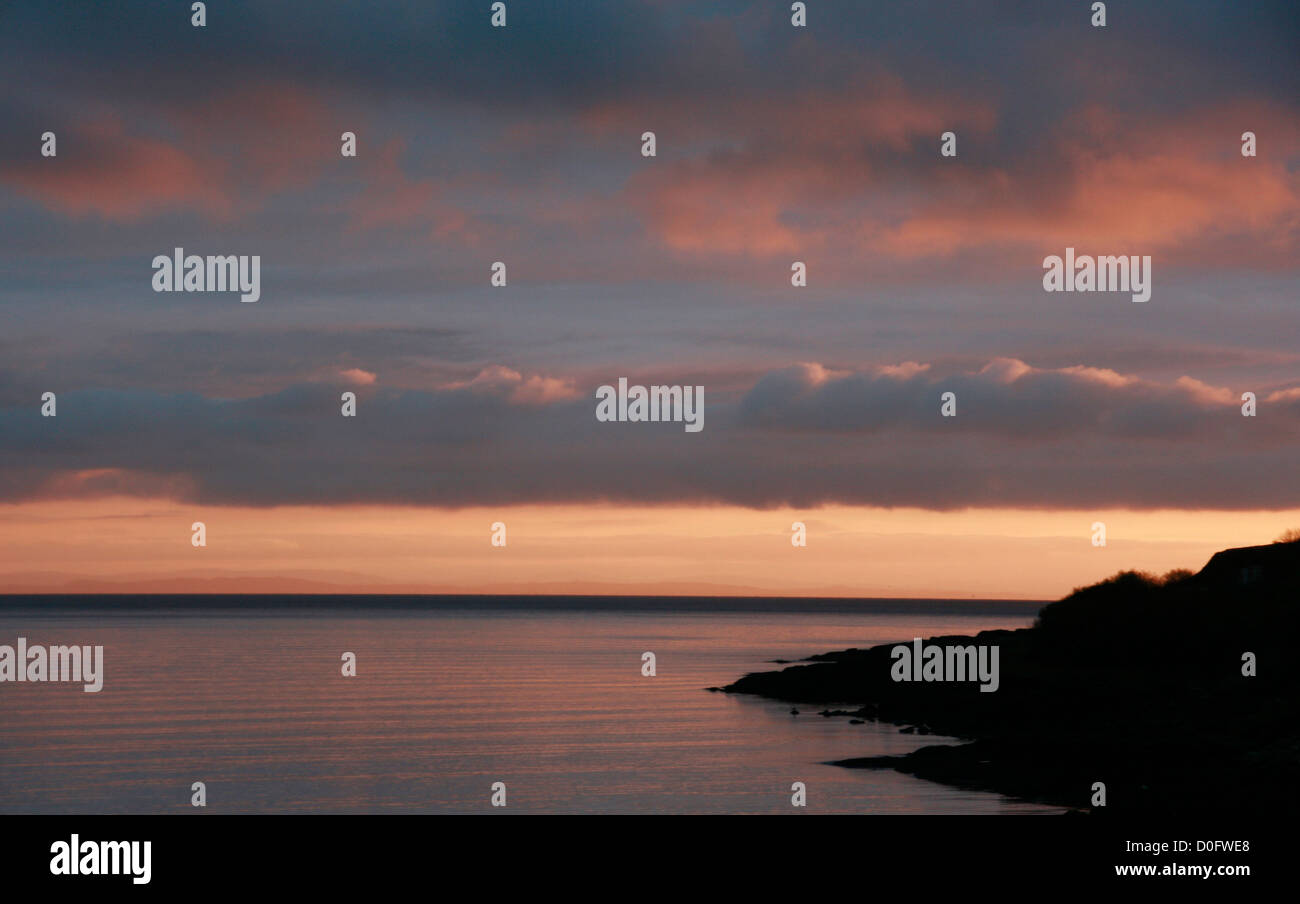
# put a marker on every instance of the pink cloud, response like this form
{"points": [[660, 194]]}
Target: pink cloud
{"points": [[534, 389], [107, 172], [389, 197], [827, 179], [219, 159]]}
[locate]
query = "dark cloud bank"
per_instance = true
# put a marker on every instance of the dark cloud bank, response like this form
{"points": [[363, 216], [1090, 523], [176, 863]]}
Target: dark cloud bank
{"points": [[800, 436]]}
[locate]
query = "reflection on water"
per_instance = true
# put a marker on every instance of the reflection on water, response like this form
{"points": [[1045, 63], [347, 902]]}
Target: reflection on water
{"points": [[444, 704]]}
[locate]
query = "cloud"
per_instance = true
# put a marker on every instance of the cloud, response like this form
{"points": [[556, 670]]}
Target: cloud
{"points": [[862, 181], [254, 361], [1120, 183], [102, 170], [804, 435], [777, 175], [534, 389], [388, 197], [219, 157], [775, 144], [357, 375]]}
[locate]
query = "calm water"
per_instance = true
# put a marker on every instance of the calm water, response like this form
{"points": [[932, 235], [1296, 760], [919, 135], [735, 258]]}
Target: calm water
{"points": [[445, 703]]}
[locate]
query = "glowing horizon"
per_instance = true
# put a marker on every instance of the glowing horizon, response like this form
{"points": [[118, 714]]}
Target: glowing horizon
{"points": [[124, 544]]}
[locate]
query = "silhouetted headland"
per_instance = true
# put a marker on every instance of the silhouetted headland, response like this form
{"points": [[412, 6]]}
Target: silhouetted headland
{"points": [[1136, 682]]}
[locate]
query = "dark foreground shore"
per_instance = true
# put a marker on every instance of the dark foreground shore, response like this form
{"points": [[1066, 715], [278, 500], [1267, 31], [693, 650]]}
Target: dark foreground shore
{"points": [[1136, 682]]}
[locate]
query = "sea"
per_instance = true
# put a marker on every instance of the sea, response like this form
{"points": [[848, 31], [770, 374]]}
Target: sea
{"points": [[458, 703]]}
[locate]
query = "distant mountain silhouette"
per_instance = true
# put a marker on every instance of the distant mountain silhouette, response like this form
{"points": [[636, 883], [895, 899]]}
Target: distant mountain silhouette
{"points": [[1136, 682]]}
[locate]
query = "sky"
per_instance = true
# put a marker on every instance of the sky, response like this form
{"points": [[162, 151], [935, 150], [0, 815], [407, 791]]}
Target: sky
{"points": [[523, 144]]}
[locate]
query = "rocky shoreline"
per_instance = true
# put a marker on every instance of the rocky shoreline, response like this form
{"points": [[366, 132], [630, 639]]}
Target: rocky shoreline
{"points": [[1136, 682]]}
